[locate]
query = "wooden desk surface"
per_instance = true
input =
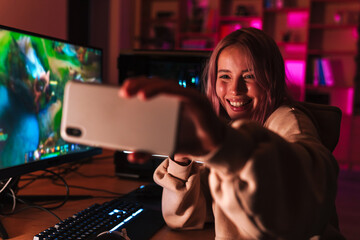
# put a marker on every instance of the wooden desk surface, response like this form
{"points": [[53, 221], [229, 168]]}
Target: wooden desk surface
{"points": [[27, 223]]}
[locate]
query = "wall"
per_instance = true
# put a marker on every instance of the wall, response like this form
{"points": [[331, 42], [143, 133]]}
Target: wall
{"points": [[111, 24], [111, 28], [39, 16]]}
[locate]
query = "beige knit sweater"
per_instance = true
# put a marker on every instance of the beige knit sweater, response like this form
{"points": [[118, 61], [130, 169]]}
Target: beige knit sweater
{"points": [[275, 181]]}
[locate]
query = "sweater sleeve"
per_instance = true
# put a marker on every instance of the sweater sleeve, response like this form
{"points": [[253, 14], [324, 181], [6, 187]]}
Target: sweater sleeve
{"points": [[275, 181], [186, 201]]}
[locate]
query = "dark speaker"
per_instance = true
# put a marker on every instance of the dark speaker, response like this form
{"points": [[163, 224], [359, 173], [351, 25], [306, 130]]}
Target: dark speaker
{"points": [[144, 171]]}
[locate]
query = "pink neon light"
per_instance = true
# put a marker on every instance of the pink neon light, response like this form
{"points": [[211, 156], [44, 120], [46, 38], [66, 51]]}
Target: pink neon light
{"points": [[256, 24], [350, 98], [228, 28], [300, 48], [338, 17], [297, 19], [279, 4], [237, 26], [355, 33], [295, 71]]}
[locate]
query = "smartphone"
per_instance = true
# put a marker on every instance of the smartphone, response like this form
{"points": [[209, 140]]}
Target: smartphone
{"points": [[93, 114]]}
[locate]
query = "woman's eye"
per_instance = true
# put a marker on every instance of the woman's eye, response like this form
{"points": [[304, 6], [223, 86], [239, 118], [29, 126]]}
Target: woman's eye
{"points": [[248, 76], [224, 77]]}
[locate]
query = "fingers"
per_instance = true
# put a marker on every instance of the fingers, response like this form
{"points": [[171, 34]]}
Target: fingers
{"points": [[158, 86], [200, 130], [145, 88], [130, 87]]}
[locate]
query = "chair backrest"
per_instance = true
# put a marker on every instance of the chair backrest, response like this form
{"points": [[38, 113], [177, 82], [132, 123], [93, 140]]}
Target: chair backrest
{"points": [[327, 119]]}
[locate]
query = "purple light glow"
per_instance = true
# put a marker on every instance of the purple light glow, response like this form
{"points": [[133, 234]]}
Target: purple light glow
{"points": [[256, 24], [295, 72], [228, 28], [338, 17], [355, 33], [350, 96], [237, 26], [295, 48], [343, 99], [279, 4], [297, 19]]}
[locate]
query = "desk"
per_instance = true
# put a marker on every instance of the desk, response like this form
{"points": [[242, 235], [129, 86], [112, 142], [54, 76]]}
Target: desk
{"points": [[25, 224]]}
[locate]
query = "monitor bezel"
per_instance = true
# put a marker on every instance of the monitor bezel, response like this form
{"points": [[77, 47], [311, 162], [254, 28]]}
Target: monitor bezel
{"points": [[25, 168]]}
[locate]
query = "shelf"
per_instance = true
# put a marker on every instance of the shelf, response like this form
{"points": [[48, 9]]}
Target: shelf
{"points": [[164, 20], [239, 18], [194, 49], [163, 0], [300, 44], [335, 1], [332, 26], [286, 10], [330, 52], [197, 35], [326, 88]]}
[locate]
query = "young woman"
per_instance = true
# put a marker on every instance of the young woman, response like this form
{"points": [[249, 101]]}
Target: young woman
{"points": [[249, 159]]}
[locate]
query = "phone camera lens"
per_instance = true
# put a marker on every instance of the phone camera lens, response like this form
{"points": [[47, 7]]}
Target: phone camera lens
{"points": [[73, 132]]}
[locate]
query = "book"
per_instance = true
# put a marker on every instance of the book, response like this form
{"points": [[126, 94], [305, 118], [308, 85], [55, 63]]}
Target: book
{"points": [[323, 72]]}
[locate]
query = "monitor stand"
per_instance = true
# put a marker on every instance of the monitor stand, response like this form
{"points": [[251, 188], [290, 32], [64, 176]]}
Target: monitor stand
{"points": [[40, 197]]}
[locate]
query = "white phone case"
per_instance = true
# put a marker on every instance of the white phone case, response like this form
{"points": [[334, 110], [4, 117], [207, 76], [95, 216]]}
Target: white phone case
{"points": [[94, 115]]}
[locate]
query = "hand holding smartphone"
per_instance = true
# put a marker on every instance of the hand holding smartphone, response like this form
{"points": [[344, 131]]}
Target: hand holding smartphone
{"points": [[95, 115]]}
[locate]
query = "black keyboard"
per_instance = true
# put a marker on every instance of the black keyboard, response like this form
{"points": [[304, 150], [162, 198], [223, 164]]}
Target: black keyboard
{"points": [[140, 221]]}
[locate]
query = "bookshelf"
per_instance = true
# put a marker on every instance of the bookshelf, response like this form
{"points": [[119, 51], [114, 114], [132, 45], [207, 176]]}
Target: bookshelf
{"points": [[332, 22], [306, 31], [332, 40], [309, 33], [287, 23]]}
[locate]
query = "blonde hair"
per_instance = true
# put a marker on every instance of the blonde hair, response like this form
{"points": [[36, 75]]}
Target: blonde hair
{"points": [[264, 58]]}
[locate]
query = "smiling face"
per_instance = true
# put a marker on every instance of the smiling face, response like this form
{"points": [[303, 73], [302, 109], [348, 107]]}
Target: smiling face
{"points": [[236, 86]]}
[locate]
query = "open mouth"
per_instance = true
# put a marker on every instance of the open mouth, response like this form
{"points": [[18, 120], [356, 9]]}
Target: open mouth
{"points": [[238, 103]]}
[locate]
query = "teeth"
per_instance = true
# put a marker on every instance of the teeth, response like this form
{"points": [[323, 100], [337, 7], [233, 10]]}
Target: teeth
{"points": [[238, 104]]}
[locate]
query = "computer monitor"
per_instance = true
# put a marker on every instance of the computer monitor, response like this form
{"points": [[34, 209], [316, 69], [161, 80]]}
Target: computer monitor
{"points": [[33, 71]]}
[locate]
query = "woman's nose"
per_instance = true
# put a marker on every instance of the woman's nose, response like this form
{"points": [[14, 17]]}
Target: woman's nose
{"points": [[238, 87]]}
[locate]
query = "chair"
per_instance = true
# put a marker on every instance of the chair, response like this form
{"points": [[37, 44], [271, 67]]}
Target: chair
{"points": [[329, 132], [330, 119]]}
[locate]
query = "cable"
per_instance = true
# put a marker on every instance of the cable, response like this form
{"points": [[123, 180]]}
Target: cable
{"points": [[95, 176], [54, 178], [93, 189], [66, 186], [31, 205], [31, 180], [14, 200], [6, 184], [63, 171]]}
